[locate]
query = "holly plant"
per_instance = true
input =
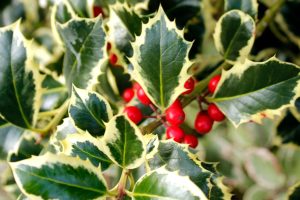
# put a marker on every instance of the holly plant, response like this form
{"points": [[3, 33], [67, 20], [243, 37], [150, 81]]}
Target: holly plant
{"points": [[149, 99]]}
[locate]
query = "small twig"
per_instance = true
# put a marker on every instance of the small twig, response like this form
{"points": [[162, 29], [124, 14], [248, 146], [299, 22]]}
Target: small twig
{"points": [[268, 17]]}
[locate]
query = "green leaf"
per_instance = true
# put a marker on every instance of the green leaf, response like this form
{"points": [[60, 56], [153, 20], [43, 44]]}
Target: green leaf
{"points": [[89, 111], [247, 6], [85, 44], [289, 129], [263, 167], [254, 90], [166, 185], [86, 147], [81, 7], [58, 177], [123, 143], [10, 135], [54, 95], [176, 157], [63, 12], [294, 192], [19, 79], [123, 25], [160, 60], [234, 36], [28, 145]]}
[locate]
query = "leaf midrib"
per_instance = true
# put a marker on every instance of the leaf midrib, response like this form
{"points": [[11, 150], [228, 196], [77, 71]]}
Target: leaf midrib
{"points": [[91, 155], [63, 183], [245, 94]]}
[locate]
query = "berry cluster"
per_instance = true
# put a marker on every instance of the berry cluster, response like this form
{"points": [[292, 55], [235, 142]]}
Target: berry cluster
{"points": [[205, 118]]}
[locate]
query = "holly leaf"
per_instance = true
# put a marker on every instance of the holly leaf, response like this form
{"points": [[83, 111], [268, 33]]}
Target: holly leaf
{"points": [[166, 185], [234, 36], [123, 25], [289, 129], [254, 90], [20, 82], [81, 7], [294, 192], [123, 143], [85, 44], [160, 60], [58, 177], [247, 6], [86, 147], [89, 111], [10, 135], [176, 157]]}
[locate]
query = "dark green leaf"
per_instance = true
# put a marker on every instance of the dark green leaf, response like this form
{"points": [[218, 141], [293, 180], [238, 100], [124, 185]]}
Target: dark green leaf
{"points": [[176, 157], [162, 184], [19, 79], [295, 192], [86, 147], [10, 135], [81, 7], [58, 177], [84, 40], [234, 35], [289, 129], [123, 143], [89, 111], [160, 60], [248, 6], [254, 90]]}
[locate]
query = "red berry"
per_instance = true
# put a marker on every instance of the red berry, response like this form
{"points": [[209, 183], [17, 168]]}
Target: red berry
{"points": [[134, 114], [189, 85], [128, 94], [97, 11], [136, 86], [203, 123], [175, 116], [215, 113], [108, 47], [175, 104], [191, 140], [175, 133], [113, 59], [141, 95], [212, 85]]}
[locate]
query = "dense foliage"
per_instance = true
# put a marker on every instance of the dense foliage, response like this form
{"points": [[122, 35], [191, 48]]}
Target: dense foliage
{"points": [[149, 99]]}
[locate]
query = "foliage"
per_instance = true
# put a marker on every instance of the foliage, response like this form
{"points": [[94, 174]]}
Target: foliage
{"points": [[67, 66]]}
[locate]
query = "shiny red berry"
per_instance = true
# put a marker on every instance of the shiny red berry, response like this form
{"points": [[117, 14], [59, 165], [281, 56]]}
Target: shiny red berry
{"points": [[215, 113], [189, 85], [175, 115], [203, 123], [128, 94], [97, 11], [134, 114], [141, 95], [213, 83], [113, 59], [191, 140], [175, 133], [136, 86], [175, 104]]}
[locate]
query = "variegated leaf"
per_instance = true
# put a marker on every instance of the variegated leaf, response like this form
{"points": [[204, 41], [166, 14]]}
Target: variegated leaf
{"points": [[248, 6], [294, 192], [20, 82], [234, 35], [254, 90], [166, 185], [89, 111], [85, 44], [10, 135], [160, 60], [176, 157], [123, 143], [58, 177], [123, 25], [86, 147]]}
